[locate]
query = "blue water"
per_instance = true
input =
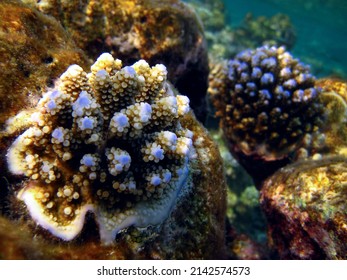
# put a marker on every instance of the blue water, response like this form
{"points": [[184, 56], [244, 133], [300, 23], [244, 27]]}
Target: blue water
{"points": [[321, 28]]}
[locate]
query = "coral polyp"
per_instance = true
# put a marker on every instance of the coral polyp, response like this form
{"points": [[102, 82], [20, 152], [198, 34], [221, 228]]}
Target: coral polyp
{"points": [[110, 142]]}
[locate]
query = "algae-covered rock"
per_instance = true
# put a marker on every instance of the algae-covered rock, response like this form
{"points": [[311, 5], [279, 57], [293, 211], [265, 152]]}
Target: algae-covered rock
{"points": [[334, 98], [34, 50], [244, 248], [305, 205], [167, 32]]}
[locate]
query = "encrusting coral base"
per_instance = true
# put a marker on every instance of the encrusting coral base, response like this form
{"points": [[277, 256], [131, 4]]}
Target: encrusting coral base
{"points": [[193, 230], [114, 156]]}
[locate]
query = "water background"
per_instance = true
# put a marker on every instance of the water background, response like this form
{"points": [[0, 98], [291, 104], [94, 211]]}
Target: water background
{"points": [[321, 28]]}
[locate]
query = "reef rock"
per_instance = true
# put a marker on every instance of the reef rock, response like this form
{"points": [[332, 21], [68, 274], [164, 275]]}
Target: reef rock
{"points": [[305, 205], [334, 99], [118, 144], [34, 49], [244, 248], [167, 32]]}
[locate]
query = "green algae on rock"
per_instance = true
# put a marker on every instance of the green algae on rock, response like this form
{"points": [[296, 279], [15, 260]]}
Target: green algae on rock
{"points": [[34, 49], [334, 99], [305, 204], [166, 32]]}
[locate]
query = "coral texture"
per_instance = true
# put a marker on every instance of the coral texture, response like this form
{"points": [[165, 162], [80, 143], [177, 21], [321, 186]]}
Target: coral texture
{"points": [[166, 32], [305, 204], [193, 230], [267, 102], [110, 142]]}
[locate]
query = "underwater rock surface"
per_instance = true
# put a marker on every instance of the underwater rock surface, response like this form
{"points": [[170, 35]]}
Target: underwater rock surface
{"points": [[334, 99], [305, 204], [34, 49], [166, 32]]}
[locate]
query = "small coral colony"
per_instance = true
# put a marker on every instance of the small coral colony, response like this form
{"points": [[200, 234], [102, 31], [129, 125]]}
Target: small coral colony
{"points": [[113, 140], [110, 142]]}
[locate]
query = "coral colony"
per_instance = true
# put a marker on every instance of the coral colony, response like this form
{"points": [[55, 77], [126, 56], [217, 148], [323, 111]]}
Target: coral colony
{"points": [[110, 142], [268, 102]]}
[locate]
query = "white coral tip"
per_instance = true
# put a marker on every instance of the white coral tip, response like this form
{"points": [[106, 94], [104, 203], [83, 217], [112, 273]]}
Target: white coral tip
{"points": [[145, 112], [183, 104], [73, 71], [170, 137]]}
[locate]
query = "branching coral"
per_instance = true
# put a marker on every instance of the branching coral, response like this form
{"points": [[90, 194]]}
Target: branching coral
{"points": [[267, 101], [110, 142]]}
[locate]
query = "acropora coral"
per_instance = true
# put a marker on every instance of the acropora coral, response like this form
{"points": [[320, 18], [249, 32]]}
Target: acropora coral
{"points": [[110, 142], [167, 32], [194, 229], [268, 103]]}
